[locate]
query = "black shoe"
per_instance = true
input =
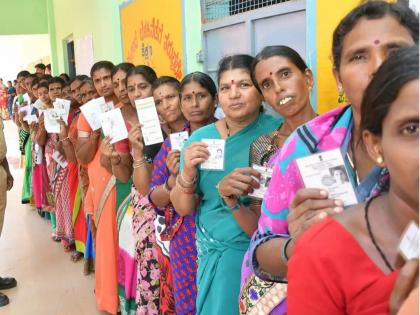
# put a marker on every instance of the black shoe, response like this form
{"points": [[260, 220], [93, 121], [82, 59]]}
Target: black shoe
{"points": [[4, 300], [7, 283]]}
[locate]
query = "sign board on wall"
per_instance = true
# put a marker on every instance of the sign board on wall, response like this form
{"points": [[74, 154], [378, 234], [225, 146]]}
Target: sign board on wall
{"points": [[152, 35]]}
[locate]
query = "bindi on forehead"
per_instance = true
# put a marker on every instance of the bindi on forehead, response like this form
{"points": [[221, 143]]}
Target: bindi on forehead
{"points": [[232, 81], [271, 73], [193, 92], [376, 41]]}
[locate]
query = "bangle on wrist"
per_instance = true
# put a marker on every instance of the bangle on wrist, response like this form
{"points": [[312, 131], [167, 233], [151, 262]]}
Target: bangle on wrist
{"points": [[139, 163], [234, 208], [166, 187], [283, 252], [62, 140], [183, 189], [188, 182]]}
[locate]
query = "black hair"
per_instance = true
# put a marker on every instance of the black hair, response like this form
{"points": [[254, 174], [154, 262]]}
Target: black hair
{"points": [[87, 81], [373, 10], [79, 77], [400, 68], [124, 66], [43, 84], [148, 73], [65, 77], [201, 78], [40, 66], [34, 82], [23, 73], [278, 50], [104, 64], [166, 80], [56, 80], [234, 62]]}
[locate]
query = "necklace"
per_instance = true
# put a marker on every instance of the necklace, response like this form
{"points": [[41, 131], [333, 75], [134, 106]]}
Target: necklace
{"points": [[369, 228], [353, 164], [227, 128]]}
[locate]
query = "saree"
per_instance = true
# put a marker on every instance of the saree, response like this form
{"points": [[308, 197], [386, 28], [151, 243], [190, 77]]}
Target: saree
{"points": [[100, 201], [25, 139], [221, 242], [50, 170], [78, 219], [127, 264], [180, 233], [326, 132]]}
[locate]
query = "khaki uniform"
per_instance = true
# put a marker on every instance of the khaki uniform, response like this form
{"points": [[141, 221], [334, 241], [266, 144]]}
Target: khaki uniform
{"points": [[3, 175]]}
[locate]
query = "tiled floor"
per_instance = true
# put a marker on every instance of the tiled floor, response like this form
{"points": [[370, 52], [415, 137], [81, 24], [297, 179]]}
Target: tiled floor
{"points": [[48, 281]]}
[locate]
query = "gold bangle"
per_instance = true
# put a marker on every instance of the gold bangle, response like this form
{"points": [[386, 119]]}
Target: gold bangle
{"points": [[185, 190], [166, 187], [139, 163], [187, 182]]}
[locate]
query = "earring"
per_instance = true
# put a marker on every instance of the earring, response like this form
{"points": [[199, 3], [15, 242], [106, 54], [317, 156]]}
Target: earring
{"points": [[340, 90], [310, 89], [379, 159]]}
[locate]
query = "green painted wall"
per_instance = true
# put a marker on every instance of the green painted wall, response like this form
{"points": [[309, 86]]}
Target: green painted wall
{"points": [[77, 18], [192, 35], [23, 17]]}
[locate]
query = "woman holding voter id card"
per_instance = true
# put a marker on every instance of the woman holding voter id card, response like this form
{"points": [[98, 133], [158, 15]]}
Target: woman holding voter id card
{"points": [[285, 81], [361, 42], [379, 235], [198, 103], [216, 189]]}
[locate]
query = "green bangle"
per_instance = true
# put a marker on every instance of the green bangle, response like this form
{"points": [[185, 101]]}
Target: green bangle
{"points": [[234, 208]]}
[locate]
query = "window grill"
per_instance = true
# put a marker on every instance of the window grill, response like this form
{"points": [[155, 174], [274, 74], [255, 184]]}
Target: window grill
{"points": [[218, 9]]}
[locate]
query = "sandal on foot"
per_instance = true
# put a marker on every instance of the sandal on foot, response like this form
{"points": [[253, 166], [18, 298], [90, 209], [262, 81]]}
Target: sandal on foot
{"points": [[4, 300], [76, 256]]}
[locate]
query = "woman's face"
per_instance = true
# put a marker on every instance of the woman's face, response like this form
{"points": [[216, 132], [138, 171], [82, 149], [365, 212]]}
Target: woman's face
{"points": [[54, 91], [43, 95], [103, 82], [283, 85], [365, 48], [137, 88], [87, 93], [339, 176], [120, 86], [197, 104], [67, 92], [237, 94], [399, 144], [168, 103]]}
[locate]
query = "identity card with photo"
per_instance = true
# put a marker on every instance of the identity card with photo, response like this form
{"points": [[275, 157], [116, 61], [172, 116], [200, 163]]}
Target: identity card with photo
{"points": [[40, 106], [113, 125], [178, 140], [62, 107], [51, 123], [326, 170], [92, 110], [266, 174], [409, 243], [148, 117], [216, 160]]}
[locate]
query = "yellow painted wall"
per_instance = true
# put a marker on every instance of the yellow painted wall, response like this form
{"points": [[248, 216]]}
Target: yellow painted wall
{"points": [[329, 14], [152, 35]]}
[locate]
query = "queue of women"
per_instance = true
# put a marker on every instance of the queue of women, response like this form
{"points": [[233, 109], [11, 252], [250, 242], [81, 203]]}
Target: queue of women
{"points": [[166, 236]]}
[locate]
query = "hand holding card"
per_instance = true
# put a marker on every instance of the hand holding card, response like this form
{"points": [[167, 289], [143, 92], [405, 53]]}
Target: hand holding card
{"points": [[178, 140], [216, 148], [148, 117], [264, 180], [113, 125]]}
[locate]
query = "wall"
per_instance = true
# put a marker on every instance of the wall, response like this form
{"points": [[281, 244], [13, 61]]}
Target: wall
{"points": [[74, 19], [17, 17], [192, 36], [327, 95]]}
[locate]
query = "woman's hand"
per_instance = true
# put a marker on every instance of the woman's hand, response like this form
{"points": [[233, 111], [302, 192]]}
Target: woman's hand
{"points": [[407, 281], [240, 182], [41, 123], [310, 206], [172, 162], [63, 130], [10, 181], [195, 154], [136, 139], [107, 148]]}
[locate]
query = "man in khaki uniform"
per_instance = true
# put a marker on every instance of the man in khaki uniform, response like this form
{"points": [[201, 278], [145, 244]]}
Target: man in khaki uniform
{"points": [[6, 183]]}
